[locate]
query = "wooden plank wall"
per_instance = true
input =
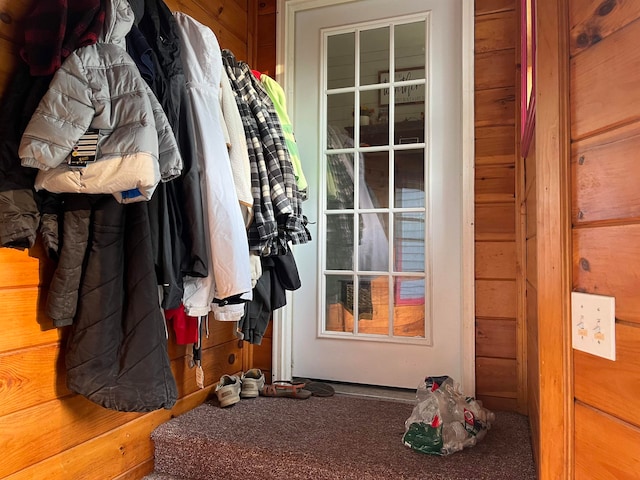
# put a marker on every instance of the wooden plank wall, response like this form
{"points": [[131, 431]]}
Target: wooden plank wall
{"points": [[498, 383], [46, 431], [531, 297], [605, 141]]}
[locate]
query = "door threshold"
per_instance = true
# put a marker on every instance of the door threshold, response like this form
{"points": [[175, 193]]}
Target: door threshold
{"points": [[393, 394]]}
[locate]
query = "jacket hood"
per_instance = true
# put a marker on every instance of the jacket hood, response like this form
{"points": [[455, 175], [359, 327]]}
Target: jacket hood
{"points": [[117, 23]]}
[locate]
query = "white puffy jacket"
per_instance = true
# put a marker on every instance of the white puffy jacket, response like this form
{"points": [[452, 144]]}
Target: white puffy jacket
{"points": [[99, 87]]}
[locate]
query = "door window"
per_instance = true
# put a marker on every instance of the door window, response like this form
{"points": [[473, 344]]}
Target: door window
{"points": [[375, 208]]}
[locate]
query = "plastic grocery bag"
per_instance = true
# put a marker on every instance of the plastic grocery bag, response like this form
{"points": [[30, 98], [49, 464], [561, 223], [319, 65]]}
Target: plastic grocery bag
{"points": [[444, 421]]}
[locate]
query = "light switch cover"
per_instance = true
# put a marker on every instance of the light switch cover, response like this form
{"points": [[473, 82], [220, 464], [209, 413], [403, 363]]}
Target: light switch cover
{"points": [[593, 324]]}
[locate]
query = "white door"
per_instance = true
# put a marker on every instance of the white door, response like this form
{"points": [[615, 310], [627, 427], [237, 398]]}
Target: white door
{"points": [[377, 91]]}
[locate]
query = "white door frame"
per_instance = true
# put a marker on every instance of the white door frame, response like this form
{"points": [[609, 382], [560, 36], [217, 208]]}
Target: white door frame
{"points": [[282, 318]]}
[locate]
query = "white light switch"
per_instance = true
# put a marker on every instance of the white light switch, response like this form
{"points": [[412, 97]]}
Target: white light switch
{"points": [[593, 324]]}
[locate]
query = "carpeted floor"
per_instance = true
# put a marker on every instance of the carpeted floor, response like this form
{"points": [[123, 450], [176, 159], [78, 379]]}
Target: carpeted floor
{"points": [[339, 437]]}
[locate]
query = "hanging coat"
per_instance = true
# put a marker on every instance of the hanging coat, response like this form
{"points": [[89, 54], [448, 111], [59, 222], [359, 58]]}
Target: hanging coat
{"points": [[177, 219], [277, 205], [105, 287], [116, 353], [229, 272], [98, 94], [69, 24]]}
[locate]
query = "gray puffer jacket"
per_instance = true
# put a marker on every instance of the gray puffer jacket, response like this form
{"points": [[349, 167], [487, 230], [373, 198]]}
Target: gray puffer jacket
{"points": [[99, 88]]}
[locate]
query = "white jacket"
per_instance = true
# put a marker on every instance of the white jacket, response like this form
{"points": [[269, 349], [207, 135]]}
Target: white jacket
{"points": [[229, 272], [99, 88]]}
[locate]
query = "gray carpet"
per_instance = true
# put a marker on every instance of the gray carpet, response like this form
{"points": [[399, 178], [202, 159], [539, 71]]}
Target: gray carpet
{"points": [[340, 437]]}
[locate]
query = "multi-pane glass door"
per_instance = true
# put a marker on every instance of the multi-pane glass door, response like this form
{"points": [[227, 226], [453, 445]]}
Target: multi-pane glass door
{"points": [[375, 208]]}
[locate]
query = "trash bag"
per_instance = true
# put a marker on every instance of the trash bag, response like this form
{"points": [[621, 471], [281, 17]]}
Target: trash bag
{"points": [[444, 421]]}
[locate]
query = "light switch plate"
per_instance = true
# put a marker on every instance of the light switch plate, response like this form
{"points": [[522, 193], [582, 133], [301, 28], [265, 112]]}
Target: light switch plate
{"points": [[593, 324]]}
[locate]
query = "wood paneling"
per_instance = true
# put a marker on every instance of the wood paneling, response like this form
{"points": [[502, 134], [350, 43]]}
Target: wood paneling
{"points": [[495, 107], [226, 15], [555, 412], [497, 377], [532, 260], [603, 193], [119, 450], [23, 319], [605, 71], [26, 378], [496, 298], [266, 36], [533, 371], [27, 268], [483, 7], [604, 263], [621, 379], [495, 260], [262, 355], [137, 472], [495, 221], [12, 14], [605, 240], [496, 31], [73, 420], [604, 87], [498, 404], [495, 183], [267, 6], [604, 187], [495, 211], [594, 20], [266, 60], [225, 18], [532, 216], [495, 69], [605, 448], [495, 145], [496, 338]]}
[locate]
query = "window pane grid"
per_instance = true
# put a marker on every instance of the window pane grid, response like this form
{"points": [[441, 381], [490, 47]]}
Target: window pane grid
{"points": [[386, 221]]}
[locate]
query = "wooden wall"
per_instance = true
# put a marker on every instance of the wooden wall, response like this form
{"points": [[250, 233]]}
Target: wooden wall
{"points": [[531, 294], [45, 430], [498, 381], [605, 212]]}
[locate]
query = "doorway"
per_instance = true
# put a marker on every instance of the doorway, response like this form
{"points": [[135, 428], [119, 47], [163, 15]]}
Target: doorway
{"points": [[377, 95]]}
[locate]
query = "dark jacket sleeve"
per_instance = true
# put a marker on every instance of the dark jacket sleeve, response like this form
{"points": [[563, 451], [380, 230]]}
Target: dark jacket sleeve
{"points": [[63, 291], [19, 215]]}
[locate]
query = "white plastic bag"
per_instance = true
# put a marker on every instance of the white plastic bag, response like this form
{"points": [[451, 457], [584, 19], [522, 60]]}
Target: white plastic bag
{"points": [[444, 421]]}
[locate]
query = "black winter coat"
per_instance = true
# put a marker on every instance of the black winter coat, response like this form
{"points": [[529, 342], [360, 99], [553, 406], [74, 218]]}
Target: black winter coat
{"points": [[116, 353], [177, 216]]}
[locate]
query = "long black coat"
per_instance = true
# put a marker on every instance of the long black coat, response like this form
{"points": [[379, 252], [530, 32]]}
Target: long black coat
{"points": [[116, 353]]}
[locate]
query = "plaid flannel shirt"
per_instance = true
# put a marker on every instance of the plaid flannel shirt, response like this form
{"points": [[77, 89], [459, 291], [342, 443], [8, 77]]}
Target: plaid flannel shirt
{"points": [[55, 28], [277, 201]]}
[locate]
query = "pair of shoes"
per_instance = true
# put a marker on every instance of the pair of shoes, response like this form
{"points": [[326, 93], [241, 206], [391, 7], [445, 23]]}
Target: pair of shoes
{"points": [[228, 390], [252, 383], [283, 388], [231, 387]]}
